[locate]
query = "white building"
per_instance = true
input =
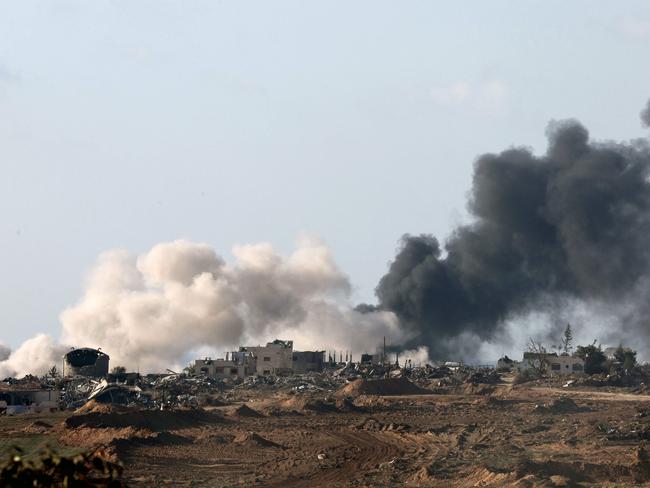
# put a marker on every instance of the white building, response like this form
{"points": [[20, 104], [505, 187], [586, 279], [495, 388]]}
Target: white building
{"points": [[28, 401], [563, 365], [555, 365]]}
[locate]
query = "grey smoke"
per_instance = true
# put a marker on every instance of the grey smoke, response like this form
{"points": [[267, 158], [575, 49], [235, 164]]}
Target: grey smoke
{"points": [[569, 226], [5, 352], [645, 115]]}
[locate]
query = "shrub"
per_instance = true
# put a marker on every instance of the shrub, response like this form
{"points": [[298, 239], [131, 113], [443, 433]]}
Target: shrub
{"points": [[53, 471]]}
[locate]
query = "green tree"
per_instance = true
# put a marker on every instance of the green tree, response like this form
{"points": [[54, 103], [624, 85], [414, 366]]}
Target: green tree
{"points": [[630, 359], [593, 356], [625, 356]]}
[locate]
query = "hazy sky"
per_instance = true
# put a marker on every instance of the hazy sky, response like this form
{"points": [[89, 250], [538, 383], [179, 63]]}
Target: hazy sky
{"points": [[128, 123]]}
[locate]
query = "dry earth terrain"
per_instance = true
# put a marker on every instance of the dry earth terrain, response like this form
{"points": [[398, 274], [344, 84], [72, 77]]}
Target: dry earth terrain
{"points": [[493, 436]]}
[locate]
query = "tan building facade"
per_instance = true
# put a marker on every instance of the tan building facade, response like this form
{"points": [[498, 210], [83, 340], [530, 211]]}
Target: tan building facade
{"points": [[273, 359]]}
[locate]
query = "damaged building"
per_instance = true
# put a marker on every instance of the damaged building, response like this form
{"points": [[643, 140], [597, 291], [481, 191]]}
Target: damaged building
{"points": [[308, 361], [372, 359], [85, 361], [276, 358], [28, 400], [554, 364], [238, 364]]}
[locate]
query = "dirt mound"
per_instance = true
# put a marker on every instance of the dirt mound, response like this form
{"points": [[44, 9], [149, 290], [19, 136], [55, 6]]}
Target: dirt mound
{"points": [[89, 437], [120, 438], [95, 406], [476, 389], [307, 404], [244, 411], [381, 387], [153, 420], [37, 427], [372, 402], [347, 405], [249, 438]]}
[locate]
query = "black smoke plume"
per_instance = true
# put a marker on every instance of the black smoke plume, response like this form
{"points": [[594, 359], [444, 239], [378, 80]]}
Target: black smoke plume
{"points": [[571, 224]]}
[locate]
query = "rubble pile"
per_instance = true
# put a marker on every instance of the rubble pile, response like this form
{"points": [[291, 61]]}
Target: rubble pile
{"points": [[443, 377], [308, 382], [639, 376], [153, 391], [186, 390], [27, 382]]}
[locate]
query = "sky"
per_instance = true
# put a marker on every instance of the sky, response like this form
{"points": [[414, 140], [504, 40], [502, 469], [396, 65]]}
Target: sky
{"points": [[128, 123]]}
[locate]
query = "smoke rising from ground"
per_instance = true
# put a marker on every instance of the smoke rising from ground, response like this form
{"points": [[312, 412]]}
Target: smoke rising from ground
{"points": [[557, 238], [150, 311], [35, 356], [549, 234], [645, 115]]}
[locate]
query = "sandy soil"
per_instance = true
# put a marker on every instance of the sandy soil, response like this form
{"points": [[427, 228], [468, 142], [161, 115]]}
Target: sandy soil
{"points": [[513, 436]]}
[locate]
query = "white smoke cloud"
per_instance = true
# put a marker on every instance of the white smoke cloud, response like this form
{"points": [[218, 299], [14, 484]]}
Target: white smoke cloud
{"points": [[417, 357], [151, 311], [606, 323], [36, 356]]}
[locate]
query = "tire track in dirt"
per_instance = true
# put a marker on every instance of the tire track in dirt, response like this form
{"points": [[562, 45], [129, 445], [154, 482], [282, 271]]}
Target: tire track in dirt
{"points": [[371, 451]]}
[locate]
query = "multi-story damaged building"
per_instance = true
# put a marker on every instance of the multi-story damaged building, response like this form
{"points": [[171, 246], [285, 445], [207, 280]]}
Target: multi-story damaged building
{"points": [[85, 361], [276, 358]]}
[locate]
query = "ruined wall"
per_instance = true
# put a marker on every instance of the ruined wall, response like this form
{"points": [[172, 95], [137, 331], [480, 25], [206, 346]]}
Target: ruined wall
{"points": [[306, 361], [85, 362]]}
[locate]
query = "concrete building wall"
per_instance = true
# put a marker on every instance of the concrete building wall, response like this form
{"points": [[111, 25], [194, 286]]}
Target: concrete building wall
{"points": [[374, 359], [555, 365], [237, 367], [29, 401], [505, 363], [274, 358], [306, 361], [564, 365], [85, 362]]}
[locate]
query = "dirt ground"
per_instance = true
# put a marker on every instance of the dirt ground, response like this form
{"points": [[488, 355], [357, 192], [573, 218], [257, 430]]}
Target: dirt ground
{"points": [[525, 436]]}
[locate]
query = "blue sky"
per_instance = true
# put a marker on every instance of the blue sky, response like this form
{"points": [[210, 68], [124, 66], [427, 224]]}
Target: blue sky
{"points": [[128, 123]]}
